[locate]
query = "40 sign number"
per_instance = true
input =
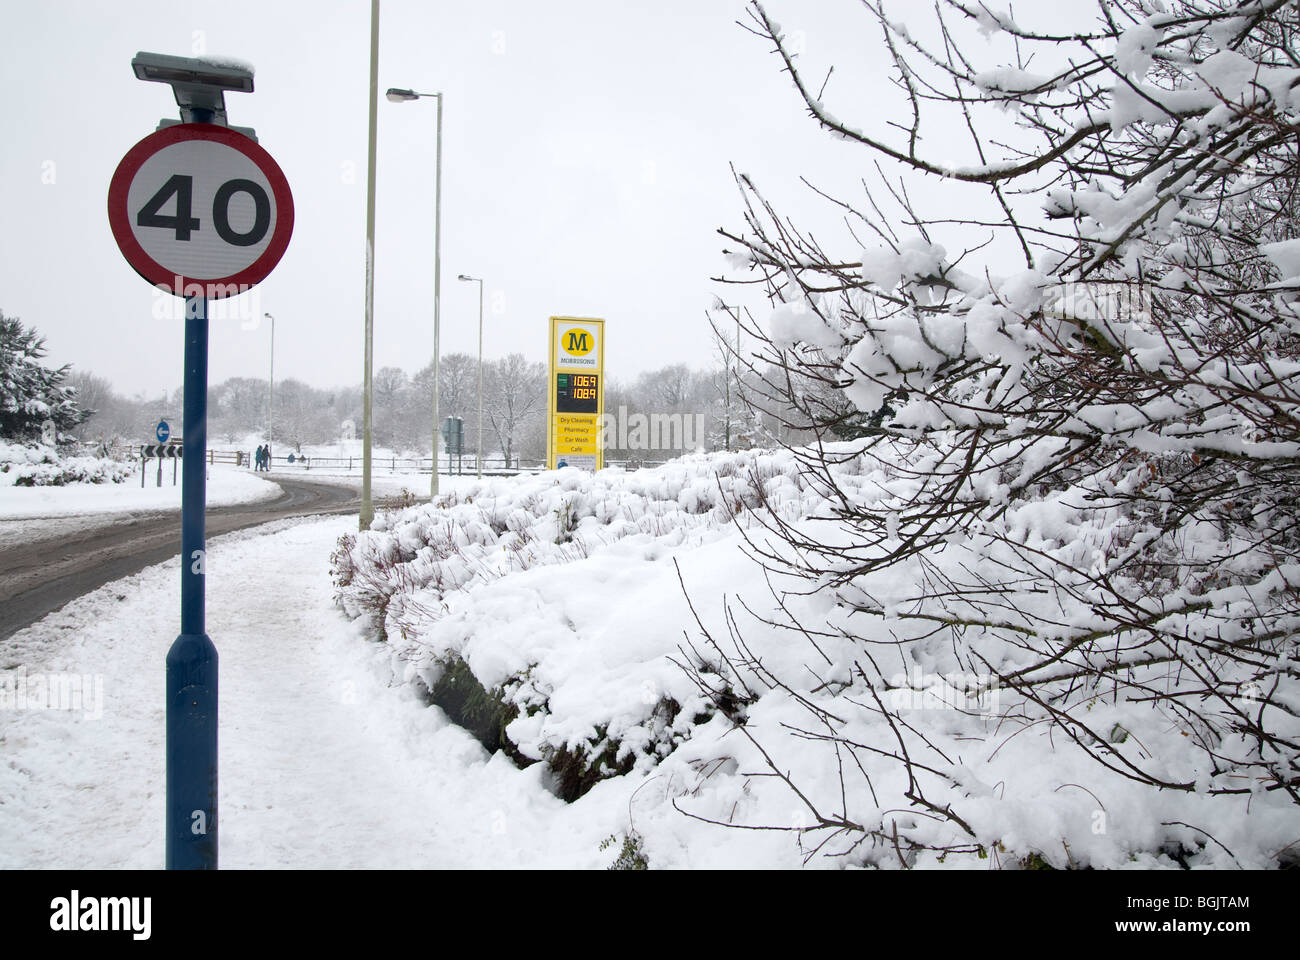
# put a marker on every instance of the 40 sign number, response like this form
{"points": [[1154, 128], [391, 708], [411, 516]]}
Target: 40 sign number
{"points": [[200, 210]]}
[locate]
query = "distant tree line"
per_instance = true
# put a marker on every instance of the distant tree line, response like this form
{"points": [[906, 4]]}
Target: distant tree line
{"points": [[514, 409]]}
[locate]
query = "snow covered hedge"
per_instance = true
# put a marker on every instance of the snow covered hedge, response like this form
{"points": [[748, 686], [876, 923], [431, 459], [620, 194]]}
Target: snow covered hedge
{"points": [[619, 626], [41, 465], [547, 591]]}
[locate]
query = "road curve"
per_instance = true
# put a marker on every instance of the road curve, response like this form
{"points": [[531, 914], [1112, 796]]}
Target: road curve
{"points": [[39, 577]]}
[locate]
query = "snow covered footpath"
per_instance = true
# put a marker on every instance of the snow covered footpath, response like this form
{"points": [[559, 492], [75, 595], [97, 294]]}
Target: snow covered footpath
{"points": [[323, 763], [227, 486]]}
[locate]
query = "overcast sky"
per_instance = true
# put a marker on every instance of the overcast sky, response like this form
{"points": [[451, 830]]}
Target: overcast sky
{"points": [[586, 151]]}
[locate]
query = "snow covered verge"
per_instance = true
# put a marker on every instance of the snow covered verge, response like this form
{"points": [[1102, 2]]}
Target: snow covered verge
{"points": [[38, 482], [41, 465], [620, 629]]}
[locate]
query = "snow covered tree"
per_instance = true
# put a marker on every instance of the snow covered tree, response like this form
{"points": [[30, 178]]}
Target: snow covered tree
{"points": [[301, 416], [514, 406], [95, 395], [390, 384], [457, 394], [1084, 453], [30, 392]]}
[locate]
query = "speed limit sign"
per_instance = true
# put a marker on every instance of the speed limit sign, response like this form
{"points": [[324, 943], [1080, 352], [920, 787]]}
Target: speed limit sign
{"points": [[200, 210]]}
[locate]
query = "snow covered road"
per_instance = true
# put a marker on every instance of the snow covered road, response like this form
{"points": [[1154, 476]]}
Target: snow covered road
{"points": [[322, 763], [46, 563]]}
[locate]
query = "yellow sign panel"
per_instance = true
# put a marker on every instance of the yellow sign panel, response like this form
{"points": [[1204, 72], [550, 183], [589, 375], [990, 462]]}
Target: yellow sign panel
{"points": [[577, 393]]}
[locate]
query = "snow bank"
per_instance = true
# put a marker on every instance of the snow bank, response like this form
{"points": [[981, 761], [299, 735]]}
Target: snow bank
{"points": [[36, 482], [42, 465], [559, 591]]}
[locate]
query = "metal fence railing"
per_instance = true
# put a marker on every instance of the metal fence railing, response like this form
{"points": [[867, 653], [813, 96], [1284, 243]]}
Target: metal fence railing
{"points": [[447, 466], [235, 458]]}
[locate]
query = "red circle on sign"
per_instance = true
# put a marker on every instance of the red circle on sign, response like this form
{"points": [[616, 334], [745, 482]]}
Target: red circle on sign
{"points": [[119, 217]]}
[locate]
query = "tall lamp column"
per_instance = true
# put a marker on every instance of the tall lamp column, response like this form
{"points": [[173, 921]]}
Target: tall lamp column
{"points": [[479, 455], [401, 96]]}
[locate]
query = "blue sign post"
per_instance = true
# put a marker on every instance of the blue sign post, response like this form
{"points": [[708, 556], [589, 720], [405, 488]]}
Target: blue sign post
{"points": [[158, 208], [192, 659]]}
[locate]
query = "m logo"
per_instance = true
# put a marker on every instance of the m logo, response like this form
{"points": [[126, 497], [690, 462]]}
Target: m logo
{"points": [[577, 342]]}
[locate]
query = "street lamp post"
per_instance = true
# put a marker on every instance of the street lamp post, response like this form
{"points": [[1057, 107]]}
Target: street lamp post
{"points": [[479, 454], [270, 401], [401, 96], [367, 379]]}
